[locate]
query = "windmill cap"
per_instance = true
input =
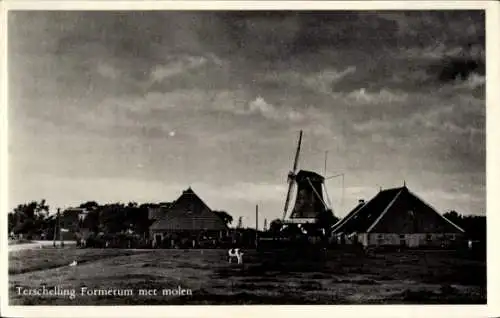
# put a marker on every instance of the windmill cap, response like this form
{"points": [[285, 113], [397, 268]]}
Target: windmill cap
{"points": [[303, 175]]}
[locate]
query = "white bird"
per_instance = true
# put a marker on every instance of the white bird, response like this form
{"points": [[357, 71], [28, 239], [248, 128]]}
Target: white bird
{"points": [[73, 263]]}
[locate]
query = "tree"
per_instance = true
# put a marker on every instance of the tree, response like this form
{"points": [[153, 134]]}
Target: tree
{"points": [[226, 217], [454, 217], [275, 226], [132, 205], [138, 217], [29, 218], [89, 205], [473, 225], [91, 221], [113, 218]]}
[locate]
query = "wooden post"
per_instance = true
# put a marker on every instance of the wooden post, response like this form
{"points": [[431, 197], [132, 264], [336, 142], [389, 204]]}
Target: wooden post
{"points": [[326, 158], [257, 217], [55, 229], [256, 225], [59, 226]]}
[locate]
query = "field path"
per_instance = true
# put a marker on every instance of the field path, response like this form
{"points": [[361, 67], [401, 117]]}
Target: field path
{"points": [[35, 245]]}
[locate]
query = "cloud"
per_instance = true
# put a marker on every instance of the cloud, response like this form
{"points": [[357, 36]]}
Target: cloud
{"points": [[107, 71], [472, 82], [362, 96], [459, 116], [260, 106], [374, 125], [324, 81], [106, 89], [178, 66], [237, 103], [247, 191], [439, 50]]}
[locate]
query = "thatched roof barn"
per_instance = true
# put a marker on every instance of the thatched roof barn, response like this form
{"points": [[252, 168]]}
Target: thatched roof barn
{"points": [[187, 214], [396, 217]]}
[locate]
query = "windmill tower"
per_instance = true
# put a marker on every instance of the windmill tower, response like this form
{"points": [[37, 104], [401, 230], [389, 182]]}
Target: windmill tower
{"points": [[309, 191]]}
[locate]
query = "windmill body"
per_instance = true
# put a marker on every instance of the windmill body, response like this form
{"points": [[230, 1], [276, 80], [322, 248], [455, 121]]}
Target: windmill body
{"points": [[309, 200], [307, 188]]}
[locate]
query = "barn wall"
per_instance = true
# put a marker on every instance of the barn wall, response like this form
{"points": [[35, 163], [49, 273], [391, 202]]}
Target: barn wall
{"points": [[156, 213], [409, 240], [363, 238]]}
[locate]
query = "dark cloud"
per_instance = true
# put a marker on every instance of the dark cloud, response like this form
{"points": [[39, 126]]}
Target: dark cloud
{"points": [[235, 87]]}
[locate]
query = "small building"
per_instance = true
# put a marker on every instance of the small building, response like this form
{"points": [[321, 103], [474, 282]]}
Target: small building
{"points": [[188, 220], [396, 217]]}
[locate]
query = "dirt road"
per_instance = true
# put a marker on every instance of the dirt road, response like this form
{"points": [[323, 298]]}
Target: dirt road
{"points": [[36, 244]]}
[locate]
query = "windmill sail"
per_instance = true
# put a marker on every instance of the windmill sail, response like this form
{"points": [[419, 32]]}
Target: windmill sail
{"points": [[291, 176]]}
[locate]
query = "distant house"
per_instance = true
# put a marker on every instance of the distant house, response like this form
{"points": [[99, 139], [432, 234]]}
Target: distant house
{"points": [[396, 217], [187, 217]]}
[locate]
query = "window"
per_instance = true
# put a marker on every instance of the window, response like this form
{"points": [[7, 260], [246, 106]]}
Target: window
{"points": [[380, 239]]}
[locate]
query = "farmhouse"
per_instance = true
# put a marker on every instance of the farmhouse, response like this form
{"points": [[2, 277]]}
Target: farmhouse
{"points": [[396, 217], [185, 221]]}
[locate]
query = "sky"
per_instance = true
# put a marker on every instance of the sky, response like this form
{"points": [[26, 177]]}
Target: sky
{"points": [[138, 106]]}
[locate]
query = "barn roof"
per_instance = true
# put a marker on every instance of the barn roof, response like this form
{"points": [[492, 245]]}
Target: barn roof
{"points": [[348, 216], [189, 212], [387, 208]]}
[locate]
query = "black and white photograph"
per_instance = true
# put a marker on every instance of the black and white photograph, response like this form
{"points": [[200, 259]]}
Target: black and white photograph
{"points": [[246, 157]]}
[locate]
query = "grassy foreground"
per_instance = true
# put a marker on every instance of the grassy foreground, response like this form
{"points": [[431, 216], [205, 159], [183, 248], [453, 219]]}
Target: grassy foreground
{"points": [[339, 278]]}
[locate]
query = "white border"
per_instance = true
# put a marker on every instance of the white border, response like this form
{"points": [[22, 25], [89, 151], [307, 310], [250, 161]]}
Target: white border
{"points": [[493, 168]]}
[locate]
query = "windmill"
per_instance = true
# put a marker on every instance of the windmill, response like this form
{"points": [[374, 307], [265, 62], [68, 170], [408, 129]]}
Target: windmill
{"points": [[310, 194]]}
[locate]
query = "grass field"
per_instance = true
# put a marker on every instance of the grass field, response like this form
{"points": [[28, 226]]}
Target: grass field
{"points": [[337, 278], [16, 242]]}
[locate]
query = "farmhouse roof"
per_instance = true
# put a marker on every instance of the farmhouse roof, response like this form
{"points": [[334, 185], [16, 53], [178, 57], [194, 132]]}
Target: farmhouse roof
{"points": [[189, 212], [349, 215], [395, 210]]}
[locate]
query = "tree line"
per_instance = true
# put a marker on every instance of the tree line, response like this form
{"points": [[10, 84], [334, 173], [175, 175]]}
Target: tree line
{"points": [[33, 220], [474, 226]]}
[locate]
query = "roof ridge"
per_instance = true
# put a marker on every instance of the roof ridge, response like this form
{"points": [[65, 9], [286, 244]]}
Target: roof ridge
{"points": [[392, 189], [429, 205], [355, 212]]}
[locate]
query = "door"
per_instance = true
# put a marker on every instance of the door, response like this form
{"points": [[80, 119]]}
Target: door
{"points": [[402, 240]]}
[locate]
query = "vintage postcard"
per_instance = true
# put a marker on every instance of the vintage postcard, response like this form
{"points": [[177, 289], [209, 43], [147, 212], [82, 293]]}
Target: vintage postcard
{"points": [[207, 155]]}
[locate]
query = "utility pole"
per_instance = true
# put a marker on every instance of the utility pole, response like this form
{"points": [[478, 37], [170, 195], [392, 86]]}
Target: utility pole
{"points": [[326, 158], [55, 228], [59, 226], [257, 217], [256, 225]]}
